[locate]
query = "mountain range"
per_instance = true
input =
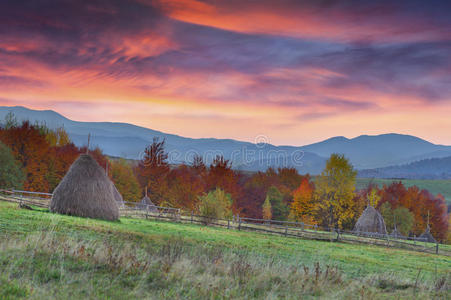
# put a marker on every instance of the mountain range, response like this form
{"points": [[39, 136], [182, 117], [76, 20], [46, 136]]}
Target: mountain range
{"points": [[126, 140], [432, 168]]}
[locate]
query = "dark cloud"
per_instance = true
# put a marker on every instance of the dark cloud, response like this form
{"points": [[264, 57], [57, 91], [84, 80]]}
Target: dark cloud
{"points": [[8, 81], [131, 39], [420, 69]]}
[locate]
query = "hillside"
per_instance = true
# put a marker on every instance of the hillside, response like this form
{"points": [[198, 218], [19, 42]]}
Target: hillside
{"points": [[43, 255], [433, 168]]}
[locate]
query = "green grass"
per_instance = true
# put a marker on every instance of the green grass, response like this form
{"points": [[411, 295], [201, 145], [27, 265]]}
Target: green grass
{"points": [[44, 255], [434, 186]]}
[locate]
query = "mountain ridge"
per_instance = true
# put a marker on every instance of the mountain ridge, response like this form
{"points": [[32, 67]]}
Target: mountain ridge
{"points": [[129, 140], [431, 168]]}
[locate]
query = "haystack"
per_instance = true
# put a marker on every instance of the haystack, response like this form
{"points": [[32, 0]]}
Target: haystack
{"points": [[117, 196], [371, 221], [396, 234], [147, 204], [85, 191], [427, 236]]}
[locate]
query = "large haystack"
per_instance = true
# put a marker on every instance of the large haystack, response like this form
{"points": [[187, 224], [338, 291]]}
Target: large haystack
{"points": [[370, 222], [117, 196], [427, 236], [85, 191]]}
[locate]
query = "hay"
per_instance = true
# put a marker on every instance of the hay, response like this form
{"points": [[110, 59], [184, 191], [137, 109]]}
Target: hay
{"points": [[427, 236], [85, 191], [396, 234], [146, 203], [117, 196], [371, 221]]}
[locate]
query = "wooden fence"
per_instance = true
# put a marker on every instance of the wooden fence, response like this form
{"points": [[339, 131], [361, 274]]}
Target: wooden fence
{"points": [[283, 228]]}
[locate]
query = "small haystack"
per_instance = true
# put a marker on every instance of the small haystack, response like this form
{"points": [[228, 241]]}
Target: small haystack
{"points": [[396, 234], [85, 191], [371, 222], [146, 203], [427, 236]]}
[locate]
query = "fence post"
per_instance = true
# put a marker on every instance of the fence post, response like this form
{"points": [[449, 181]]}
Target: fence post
{"points": [[228, 223], [414, 239], [147, 211], [286, 230], [239, 223], [192, 213], [436, 248]]}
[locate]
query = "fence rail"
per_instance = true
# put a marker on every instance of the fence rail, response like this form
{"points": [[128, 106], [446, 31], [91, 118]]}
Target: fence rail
{"points": [[284, 228]]}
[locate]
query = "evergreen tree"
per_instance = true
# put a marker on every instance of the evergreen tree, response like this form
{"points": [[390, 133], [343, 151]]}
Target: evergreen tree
{"points": [[11, 175], [279, 208]]}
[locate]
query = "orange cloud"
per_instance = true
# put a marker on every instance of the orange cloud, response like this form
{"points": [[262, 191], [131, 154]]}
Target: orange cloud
{"points": [[383, 22]]}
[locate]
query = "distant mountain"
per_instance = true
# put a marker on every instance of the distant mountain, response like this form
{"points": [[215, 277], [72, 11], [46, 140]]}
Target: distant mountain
{"points": [[433, 168], [383, 150], [128, 141]]}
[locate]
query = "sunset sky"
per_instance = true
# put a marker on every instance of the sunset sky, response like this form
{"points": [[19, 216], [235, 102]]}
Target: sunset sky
{"points": [[295, 71]]}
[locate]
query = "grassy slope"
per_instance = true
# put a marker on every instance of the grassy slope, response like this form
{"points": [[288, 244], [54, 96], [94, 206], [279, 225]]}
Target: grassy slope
{"points": [[434, 186], [55, 242]]}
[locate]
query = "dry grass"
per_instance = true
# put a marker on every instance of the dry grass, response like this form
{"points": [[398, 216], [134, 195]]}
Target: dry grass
{"points": [[49, 265]]}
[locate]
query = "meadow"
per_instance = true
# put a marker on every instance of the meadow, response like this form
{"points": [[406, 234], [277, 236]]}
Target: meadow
{"points": [[44, 255], [436, 186]]}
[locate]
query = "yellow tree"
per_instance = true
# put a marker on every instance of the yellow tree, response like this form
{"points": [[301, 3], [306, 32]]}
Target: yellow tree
{"points": [[303, 205], [374, 197], [267, 213], [334, 192], [122, 175]]}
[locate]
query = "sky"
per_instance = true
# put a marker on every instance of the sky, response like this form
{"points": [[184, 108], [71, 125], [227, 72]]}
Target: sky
{"points": [[293, 71]]}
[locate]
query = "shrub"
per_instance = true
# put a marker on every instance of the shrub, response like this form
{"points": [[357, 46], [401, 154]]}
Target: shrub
{"points": [[215, 205], [400, 216]]}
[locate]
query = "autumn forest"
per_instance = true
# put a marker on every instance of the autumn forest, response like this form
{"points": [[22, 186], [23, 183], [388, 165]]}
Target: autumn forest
{"points": [[36, 158]]}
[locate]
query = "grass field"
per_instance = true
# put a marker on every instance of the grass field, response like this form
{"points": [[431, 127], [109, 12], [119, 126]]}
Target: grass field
{"points": [[43, 255], [434, 186]]}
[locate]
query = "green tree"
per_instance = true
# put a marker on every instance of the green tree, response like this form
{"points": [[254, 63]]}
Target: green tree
{"points": [[11, 175], [280, 210], [267, 211], [58, 137], [401, 216], [10, 121], [334, 193], [215, 205]]}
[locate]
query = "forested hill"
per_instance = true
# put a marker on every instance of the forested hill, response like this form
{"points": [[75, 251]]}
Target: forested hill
{"points": [[434, 168]]}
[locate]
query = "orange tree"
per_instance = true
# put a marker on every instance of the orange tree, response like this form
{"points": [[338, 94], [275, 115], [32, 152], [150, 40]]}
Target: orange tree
{"points": [[303, 206]]}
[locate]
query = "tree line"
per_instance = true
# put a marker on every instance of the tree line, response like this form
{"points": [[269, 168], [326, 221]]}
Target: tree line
{"points": [[35, 158]]}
